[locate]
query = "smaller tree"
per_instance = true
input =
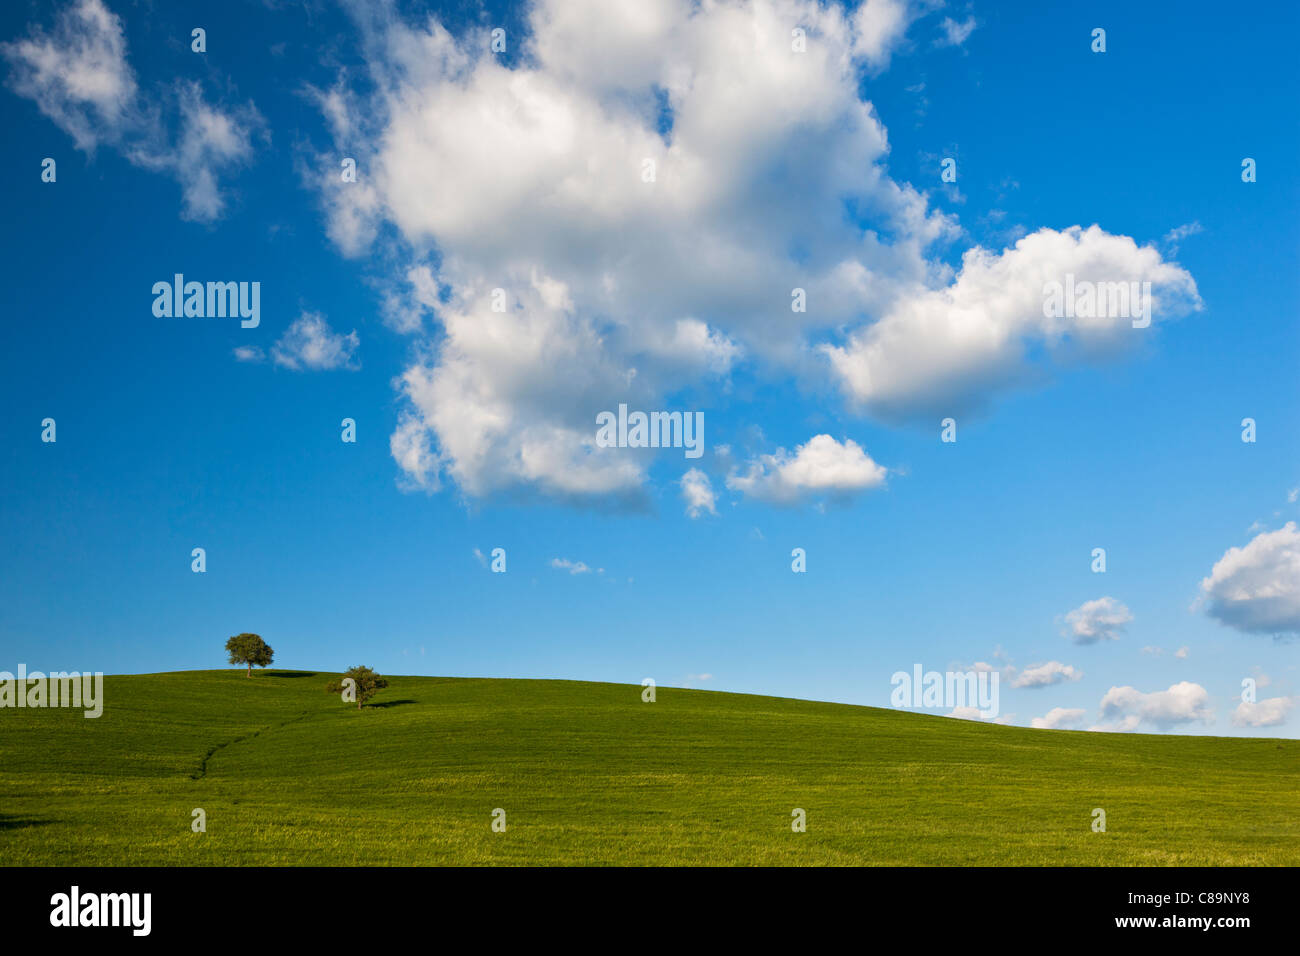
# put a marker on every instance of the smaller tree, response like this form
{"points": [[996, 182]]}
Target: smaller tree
{"points": [[358, 683], [249, 649]]}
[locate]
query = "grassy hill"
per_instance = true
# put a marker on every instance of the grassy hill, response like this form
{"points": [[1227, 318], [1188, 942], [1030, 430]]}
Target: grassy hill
{"points": [[589, 774]]}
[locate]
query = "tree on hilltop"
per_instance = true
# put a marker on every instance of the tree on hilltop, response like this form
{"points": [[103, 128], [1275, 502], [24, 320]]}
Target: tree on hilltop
{"points": [[359, 684], [249, 649]]}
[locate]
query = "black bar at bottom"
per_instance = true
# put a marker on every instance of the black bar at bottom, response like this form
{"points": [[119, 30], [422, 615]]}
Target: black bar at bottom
{"points": [[345, 906]]}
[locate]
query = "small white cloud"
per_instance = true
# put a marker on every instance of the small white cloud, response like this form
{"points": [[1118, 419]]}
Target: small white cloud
{"points": [[249, 353], [1181, 653], [1059, 718], [954, 33], [311, 344], [1100, 620], [1256, 589], [820, 466], [1045, 675], [698, 493], [480, 557], [573, 567], [1176, 235]]}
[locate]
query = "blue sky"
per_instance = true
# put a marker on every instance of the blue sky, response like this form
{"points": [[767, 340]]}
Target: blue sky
{"points": [[523, 170]]}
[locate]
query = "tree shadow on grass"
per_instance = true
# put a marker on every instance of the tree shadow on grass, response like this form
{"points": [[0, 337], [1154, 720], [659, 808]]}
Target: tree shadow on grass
{"points": [[8, 822], [390, 703], [292, 674]]}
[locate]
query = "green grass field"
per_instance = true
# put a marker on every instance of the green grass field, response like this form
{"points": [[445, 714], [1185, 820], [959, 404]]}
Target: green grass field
{"points": [[589, 774]]}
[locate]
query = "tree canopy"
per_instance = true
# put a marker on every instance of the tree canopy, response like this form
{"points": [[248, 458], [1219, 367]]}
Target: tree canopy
{"points": [[358, 683], [249, 649]]}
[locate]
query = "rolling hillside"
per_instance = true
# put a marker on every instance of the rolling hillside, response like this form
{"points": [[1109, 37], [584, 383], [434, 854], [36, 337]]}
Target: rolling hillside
{"points": [[589, 774]]}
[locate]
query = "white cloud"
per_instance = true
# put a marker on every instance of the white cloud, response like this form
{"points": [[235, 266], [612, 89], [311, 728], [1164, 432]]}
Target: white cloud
{"points": [[879, 26], [1058, 718], [624, 290], [309, 343], [573, 567], [943, 351], [79, 77], [1103, 619], [1174, 237], [697, 491], [1256, 589], [1270, 712], [820, 466], [1181, 653], [1100, 620], [1129, 708], [1045, 675], [954, 33], [249, 353]]}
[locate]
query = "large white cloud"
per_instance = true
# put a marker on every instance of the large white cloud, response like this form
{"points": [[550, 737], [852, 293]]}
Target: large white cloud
{"points": [[1257, 588], [1128, 709], [1269, 712], [78, 76], [531, 179], [945, 350]]}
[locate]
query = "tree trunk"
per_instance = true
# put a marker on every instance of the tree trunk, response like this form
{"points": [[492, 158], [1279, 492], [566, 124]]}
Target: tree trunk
{"points": [[250, 670], [358, 703]]}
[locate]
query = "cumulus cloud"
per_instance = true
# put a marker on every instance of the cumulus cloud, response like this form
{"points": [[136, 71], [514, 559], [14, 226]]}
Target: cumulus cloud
{"points": [[820, 466], [941, 351], [1270, 712], [879, 26], [79, 77], [1256, 589], [249, 353], [1100, 620], [697, 491], [646, 206], [309, 343], [1045, 675], [1059, 718], [1128, 708]]}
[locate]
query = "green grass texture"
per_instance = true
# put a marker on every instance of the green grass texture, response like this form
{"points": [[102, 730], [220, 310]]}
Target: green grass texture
{"points": [[589, 774]]}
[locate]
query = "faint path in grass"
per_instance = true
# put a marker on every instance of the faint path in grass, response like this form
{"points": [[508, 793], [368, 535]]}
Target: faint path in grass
{"points": [[202, 770]]}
